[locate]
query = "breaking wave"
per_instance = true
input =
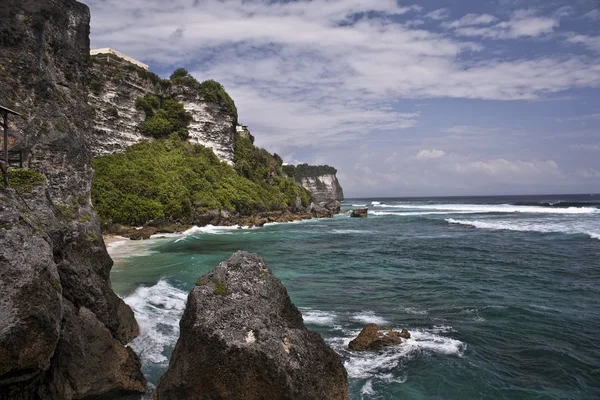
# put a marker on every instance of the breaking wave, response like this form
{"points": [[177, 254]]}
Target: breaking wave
{"points": [[497, 208], [158, 310], [525, 226]]}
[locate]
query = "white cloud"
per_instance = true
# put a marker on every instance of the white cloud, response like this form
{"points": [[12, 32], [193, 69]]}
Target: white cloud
{"points": [[523, 23], [520, 170], [429, 154], [586, 147], [471, 20], [589, 173], [594, 15], [305, 69], [585, 117], [438, 14], [591, 42]]}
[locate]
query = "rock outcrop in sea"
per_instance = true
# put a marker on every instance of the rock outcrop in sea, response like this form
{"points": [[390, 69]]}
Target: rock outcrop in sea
{"points": [[63, 331], [373, 337], [242, 338]]}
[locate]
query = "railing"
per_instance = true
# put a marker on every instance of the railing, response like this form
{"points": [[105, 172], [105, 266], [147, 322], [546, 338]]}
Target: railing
{"points": [[15, 158]]}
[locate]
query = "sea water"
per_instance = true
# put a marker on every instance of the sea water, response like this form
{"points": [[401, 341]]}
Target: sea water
{"points": [[501, 294]]}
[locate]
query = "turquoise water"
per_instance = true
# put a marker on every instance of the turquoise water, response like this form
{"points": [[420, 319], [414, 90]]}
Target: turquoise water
{"points": [[501, 295]]}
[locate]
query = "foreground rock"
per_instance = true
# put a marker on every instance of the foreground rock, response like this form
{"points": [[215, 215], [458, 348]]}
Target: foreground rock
{"points": [[372, 337], [242, 338]]}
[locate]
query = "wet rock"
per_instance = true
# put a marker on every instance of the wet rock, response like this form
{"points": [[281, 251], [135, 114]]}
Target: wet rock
{"points": [[242, 338], [359, 213], [372, 337]]}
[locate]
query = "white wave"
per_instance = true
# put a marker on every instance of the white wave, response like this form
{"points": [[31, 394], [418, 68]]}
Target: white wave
{"points": [[568, 227], [417, 213], [496, 208], [369, 317], [158, 310], [123, 249], [359, 205], [215, 230], [343, 231], [367, 389], [376, 203], [383, 364], [317, 317], [411, 310], [594, 235]]}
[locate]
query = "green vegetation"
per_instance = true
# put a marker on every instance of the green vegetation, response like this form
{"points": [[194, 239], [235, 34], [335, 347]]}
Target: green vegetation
{"points": [[23, 180], [112, 112], [96, 85], [163, 118], [304, 170], [220, 288], [210, 90], [175, 179], [201, 282]]}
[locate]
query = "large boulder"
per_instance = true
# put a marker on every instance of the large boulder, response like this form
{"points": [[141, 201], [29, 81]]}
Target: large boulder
{"points": [[372, 337], [242, 338]]}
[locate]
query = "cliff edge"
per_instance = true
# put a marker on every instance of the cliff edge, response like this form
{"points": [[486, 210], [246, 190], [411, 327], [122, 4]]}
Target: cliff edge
{"points": [[63, 331]]}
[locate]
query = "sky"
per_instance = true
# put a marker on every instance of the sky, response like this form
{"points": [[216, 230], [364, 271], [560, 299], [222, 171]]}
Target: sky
{"points": [[404, 98]]}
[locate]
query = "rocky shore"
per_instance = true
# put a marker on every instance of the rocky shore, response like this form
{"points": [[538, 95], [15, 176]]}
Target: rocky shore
{"points": [[215, 218]]}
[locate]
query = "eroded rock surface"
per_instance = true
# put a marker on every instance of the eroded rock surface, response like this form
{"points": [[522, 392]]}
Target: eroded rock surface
{"points": [[63, 331], [242, 338], [372, 337]]}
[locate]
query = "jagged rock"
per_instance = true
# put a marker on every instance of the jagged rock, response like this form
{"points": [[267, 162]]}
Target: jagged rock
{"points": [[62, 329], [372, 337], [242, 338], [359, 213]]}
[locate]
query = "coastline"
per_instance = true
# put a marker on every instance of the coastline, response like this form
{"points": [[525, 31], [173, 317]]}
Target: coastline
{"points": [[117, 232]]}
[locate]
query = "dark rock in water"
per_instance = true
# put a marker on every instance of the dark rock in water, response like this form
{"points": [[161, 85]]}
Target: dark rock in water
{"points": [[405, 334], [242, 338], [359, 213], [372, 337]]}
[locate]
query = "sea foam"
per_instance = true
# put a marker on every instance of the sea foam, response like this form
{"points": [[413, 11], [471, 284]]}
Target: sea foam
{"points": [[530, 226], [496, 208], [158, 310]]}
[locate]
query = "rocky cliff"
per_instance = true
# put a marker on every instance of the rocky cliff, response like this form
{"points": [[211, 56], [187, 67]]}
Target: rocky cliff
{"points": [[321, 181], [116, 85], [242, 338], [63, 331]]}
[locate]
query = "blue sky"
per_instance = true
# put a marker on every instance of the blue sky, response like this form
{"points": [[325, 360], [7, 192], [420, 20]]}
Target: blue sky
{"points": [[432, 97]]}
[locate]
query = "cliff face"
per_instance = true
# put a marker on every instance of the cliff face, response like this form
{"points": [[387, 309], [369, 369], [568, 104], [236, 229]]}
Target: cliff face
{"points": [[213, 126], [324, 188], [114, 89], [321, 181], [62, 329]]}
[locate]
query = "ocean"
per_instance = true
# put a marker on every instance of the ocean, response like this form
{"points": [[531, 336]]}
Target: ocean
{"points": [[501, 294]]}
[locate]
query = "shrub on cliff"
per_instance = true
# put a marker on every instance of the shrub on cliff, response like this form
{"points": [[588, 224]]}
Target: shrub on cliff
{"points": [[175, 179], [304, 170], [210, 90], [163, 118], [23, 179]]}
